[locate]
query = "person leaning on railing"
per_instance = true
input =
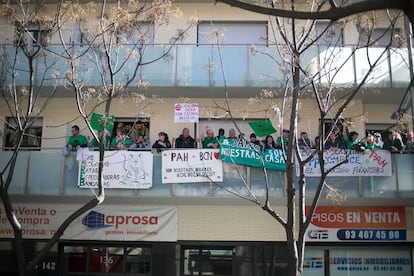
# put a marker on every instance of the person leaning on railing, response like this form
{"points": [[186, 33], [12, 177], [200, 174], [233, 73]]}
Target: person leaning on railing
{"points": [[391, 143], [77, 140]]}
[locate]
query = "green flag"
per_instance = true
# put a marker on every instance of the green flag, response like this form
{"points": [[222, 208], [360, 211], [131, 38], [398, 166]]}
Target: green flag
{"points": [[262, 128], [97, 122]]}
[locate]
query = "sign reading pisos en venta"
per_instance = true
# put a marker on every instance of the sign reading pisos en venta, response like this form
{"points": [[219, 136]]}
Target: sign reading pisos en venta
{"points": [[362, 223], [105, 222]]}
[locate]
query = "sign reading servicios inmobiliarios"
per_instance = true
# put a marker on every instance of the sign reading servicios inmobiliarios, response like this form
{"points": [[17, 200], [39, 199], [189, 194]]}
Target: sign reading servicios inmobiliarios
{"points": [[241, 152]]}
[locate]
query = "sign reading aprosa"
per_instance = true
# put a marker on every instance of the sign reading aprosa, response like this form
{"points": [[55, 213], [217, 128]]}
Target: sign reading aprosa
{"points": [[186, 113], [188, 166], [244, 153], [366, 163], [378, 224], [122, 169], [104, 222]]}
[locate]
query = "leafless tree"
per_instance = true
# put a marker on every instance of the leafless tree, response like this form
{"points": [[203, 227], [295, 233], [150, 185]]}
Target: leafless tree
{"points": [[317, 80], [115, 44]]}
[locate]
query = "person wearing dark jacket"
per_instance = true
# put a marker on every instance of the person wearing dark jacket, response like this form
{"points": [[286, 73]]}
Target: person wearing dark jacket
{"points": [[391, 143], [185, 140], [162, 142]]}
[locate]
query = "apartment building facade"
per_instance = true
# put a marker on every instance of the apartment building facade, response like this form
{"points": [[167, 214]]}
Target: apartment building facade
{"points": [[178, 227]]}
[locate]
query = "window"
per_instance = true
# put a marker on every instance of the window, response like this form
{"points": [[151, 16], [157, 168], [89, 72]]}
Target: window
{"points": [[213, 32], [134, 127], [32, 139], [208, 261], [33, 34], [141, 33], [331, 35], [380, 37]]}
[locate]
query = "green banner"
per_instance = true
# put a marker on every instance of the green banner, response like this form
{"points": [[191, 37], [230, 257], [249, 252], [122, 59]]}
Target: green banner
{"points": [[97, 122], [244, 153]]}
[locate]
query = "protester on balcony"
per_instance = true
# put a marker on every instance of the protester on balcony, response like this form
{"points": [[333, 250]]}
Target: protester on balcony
{"points": [[283, 141], [232, 135], [334, 142], [121, 140], [95, 143], [410, 142], [352, 141], [140, 143], [269, 143], [378, 140], [316, 142], [254, 141], [208, 140], [185, 140], [77, 140], [391, 143], [162, 142], [304, 143], [220, 137], [370, 142]]}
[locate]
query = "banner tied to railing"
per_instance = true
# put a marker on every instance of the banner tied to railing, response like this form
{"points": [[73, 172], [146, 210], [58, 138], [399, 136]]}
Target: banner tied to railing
{"points": [[366, 163], [242, 152], [189, 166], [122, 169]]}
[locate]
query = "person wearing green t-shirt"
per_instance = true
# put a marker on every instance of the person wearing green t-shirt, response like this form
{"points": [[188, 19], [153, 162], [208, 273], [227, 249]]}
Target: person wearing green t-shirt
{"points": [[209, 141], [77, 140], [352, 140], [121, 140]]}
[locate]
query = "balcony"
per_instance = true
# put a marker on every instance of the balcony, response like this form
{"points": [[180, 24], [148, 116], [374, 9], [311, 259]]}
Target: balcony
{"points": [[49, 173], [243, 65]]}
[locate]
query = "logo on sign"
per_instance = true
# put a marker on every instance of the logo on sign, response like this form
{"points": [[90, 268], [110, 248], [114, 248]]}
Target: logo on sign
{"points": [[313, 262], [95, 220], [318, 234]]}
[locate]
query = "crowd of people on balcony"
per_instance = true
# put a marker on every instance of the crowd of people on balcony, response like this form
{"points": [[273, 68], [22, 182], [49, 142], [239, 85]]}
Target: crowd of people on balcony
{"points": [[335, 141]]}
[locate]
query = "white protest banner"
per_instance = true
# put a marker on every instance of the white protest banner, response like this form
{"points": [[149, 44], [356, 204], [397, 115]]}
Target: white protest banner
{"points": [[366, 163], [122, 169], [188, 166], [104, 222], [186, 113]]}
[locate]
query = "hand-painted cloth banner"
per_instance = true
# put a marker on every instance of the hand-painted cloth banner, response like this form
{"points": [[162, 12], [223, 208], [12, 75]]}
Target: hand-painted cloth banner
{"points": [[363, 223], [97, 122], [242, 152], [122, 169], [104, 222], [366, 163], [189, 166]]}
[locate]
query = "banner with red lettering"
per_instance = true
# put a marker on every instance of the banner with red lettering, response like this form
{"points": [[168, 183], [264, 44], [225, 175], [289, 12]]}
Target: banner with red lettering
{"points": [[104, 222], [189, 166], [365, 223], [366, 163]]}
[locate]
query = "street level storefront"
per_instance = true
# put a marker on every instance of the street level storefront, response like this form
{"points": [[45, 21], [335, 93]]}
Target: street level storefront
{"points": [[143, 240]]}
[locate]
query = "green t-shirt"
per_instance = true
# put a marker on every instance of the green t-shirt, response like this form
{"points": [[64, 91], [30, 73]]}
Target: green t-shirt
{"points": [[279, 141], [349, 143], [126, 141], [78, 140], [207, 141]]}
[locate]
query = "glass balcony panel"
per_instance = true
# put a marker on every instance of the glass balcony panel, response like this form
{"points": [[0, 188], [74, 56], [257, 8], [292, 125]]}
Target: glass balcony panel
{"points": [[380, 75], [18, 183], [70, 178], [158, 189], [400, 69], [160, 70], [43, 163], [405, 173], [276, 180], [263, 70], [335, 65], [210, 61], [347, 186], [379, 186]]}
